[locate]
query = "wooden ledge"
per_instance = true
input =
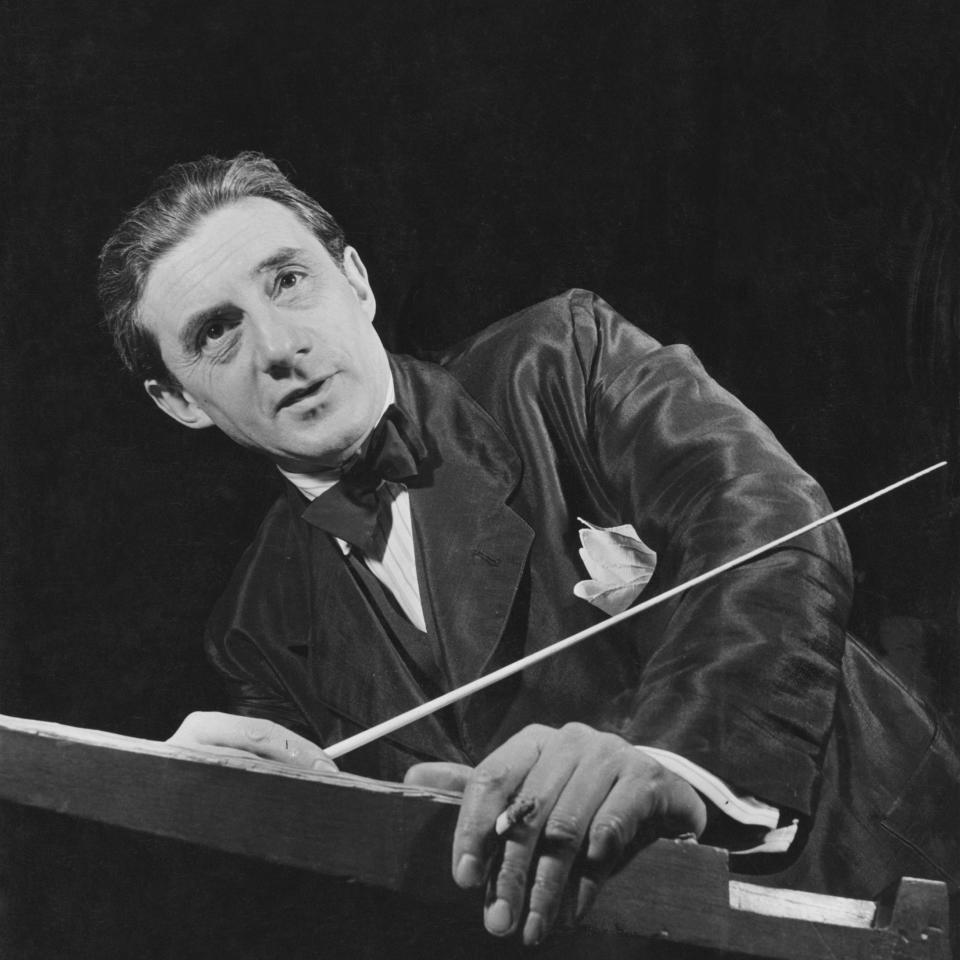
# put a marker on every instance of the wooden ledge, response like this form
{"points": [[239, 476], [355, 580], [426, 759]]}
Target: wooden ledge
{"points": [[398, 837]]}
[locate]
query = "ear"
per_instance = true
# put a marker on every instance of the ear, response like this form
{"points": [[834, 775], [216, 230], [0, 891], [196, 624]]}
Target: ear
{"points": [[356, 274], [178, 404]]}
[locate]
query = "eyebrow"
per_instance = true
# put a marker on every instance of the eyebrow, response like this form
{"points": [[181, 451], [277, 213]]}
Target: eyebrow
{"points": [[278, 259]]}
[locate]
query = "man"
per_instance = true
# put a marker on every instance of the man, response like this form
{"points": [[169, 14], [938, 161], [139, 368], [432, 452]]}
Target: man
{"points": [[429, 533]]}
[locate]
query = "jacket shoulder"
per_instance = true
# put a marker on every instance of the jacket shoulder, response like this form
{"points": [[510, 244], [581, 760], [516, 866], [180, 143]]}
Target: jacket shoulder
{"points": [[576, 320]]}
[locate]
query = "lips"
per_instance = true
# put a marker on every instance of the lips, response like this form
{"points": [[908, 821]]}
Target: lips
{"points": [[301, 392]]}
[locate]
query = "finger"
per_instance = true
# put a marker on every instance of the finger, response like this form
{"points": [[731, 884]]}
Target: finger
{"points": [[251, 735], [439, 776], [623, 822], [561, 754], [485, 795], [562, 840], [629, 803], [636, 812], [668, 804]]}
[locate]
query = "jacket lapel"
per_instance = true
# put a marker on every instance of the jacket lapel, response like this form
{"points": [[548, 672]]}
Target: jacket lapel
{"points": [[471, 546]]}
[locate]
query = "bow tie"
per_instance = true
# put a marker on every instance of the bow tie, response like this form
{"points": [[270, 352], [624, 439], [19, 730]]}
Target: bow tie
{"points": [[350, 509]]}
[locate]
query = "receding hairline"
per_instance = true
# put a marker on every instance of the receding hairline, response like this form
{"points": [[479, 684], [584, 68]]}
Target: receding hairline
{"points": [[281, 254], [179, 200]]}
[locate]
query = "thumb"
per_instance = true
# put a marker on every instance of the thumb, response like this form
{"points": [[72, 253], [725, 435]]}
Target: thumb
{"points": [[439, 776]]}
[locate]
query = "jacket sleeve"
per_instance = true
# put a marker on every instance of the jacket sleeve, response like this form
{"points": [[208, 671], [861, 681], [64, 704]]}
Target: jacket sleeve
{"points": [[253, 631], [742, 677], [253, 689]]}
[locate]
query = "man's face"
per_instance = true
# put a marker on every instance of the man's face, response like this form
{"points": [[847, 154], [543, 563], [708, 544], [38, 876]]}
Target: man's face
{"points": [[269, 339]]}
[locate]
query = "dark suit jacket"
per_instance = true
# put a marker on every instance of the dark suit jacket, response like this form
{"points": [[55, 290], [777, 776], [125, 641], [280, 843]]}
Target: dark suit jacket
{"points": [[564, 411]]}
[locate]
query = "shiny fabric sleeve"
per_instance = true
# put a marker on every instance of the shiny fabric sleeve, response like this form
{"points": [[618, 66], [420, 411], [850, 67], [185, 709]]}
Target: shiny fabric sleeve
{"points": [[253, 689], [743, 671], [256, 633]]}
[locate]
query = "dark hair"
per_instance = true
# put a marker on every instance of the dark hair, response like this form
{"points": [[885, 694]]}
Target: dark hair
{"points": [[179, 200]]}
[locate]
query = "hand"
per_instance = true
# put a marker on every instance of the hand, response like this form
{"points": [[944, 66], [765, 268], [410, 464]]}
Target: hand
{"points": [[594, 791], [235, 736]]}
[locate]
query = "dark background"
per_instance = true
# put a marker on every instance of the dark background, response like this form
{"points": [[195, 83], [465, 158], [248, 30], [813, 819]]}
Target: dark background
{"points": [[774, 183]]}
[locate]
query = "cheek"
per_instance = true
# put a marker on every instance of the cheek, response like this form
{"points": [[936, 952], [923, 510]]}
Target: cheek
{"points": [[232, 396]]}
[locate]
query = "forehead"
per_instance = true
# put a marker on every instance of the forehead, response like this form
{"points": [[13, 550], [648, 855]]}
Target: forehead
{"points": [[222, 253]]}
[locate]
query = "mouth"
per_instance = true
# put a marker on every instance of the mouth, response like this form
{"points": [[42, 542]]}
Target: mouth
{"points": [[301, 393]]}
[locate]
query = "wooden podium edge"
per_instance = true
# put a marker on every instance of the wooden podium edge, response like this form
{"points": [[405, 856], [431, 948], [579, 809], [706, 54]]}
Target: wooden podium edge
{"points": [[399, 838]]}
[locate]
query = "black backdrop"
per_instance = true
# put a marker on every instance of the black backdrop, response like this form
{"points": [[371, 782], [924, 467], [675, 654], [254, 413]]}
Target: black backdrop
{"points": [[772, 182]]}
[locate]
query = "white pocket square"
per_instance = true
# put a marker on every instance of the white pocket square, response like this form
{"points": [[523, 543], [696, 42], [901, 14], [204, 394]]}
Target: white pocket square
{"points": [[619, 562]]}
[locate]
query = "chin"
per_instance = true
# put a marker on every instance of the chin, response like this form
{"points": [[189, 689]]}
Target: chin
{"points": [[313, 459], [333, 447]]}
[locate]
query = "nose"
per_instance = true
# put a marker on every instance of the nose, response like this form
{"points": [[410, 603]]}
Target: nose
{"points": [[281, 342]]}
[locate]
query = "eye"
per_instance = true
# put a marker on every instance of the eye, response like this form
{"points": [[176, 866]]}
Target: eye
{"points": [[213, 331], [214, 335], [288, 279]]}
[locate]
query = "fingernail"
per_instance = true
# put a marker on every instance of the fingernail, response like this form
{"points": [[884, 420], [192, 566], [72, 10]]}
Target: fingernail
{"points": [[469, 871], [255, 731], [534, 929], [322, 764], [499, 918]]}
